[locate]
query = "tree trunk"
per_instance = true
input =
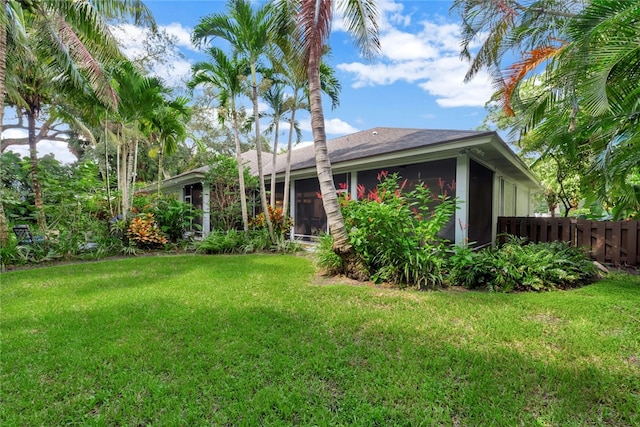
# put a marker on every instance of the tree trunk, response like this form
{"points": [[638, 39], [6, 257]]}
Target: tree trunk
{"points": [[352, 264], [133, 168], [243, 191], [35, 182], [4, 225], [123, 183], [273, 163], [263, 192], [287, 172], [160, 174]]}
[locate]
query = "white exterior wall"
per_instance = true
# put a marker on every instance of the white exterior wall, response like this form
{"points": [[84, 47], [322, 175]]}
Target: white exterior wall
{"points": [[206, 209], [462, 194]]}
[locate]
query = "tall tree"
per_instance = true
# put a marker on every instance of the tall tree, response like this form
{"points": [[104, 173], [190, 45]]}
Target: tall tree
{"points": [[275, 99], [141, 97], [312, 24], [77, 36], [224, 73], [168, 127], [585, 62], [250, 34]]}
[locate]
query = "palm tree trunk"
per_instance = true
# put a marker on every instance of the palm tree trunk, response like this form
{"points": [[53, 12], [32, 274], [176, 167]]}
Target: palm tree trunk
{"points": [[4, 226], [243, 191], [263, 192], [352, 264], [287, 172], [160, 174], [122, 180], [133, 168], [35, 182], [273, 163]]}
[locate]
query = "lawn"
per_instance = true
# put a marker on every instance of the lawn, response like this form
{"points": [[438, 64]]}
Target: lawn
{"points": [[255, 340]]}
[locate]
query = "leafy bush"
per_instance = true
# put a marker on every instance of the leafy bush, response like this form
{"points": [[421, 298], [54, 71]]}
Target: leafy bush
{"points": [[174, 217], [222, 242], [233, 241], [326, 258], [280, 224], [145, 233], [396, 231], [522, 266]]}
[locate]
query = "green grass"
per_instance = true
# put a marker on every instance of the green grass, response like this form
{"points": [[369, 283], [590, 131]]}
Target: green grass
{"points": [[250, 340]]}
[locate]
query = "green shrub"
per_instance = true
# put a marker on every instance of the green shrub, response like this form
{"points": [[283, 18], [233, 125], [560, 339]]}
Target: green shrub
{"points": [[174, 217], [396, 231], [144, 232], [222, 242], [521, 266], [326, 258]]}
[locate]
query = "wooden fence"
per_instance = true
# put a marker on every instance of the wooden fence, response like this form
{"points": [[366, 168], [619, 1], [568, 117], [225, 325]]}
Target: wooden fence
{"points": [[616, 242]]}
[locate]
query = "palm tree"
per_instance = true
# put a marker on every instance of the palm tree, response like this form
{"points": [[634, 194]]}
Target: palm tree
{"points": [[533, 31], [168, 127], [293, 73], [250, 34], [140, 97], [79, 41], [583, 62], [275, 99], [224, 73], [312, 24]]}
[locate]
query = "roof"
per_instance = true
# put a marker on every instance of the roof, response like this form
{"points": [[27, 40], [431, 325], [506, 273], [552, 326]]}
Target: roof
{"points": [[400, 144], [365, 144]]}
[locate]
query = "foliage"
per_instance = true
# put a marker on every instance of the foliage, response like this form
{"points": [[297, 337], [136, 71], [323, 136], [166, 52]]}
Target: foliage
{"points": [[222, 242], [325, 256], [522, 266], [225, 203], [174, 217], [280, 225], [144, 232], [233, 241], [573, 87], [396, 231]]}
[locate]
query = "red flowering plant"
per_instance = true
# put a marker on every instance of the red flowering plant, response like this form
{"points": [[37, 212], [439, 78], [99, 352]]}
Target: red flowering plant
{"points": [[396, 229]]}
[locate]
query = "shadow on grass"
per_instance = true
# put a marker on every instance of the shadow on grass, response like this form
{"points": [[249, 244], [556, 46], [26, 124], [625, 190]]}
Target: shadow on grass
{"points": [[165, 361]]}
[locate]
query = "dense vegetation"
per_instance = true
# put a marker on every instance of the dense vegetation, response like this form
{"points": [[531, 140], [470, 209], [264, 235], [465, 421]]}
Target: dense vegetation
{"points": [[397, 232]]}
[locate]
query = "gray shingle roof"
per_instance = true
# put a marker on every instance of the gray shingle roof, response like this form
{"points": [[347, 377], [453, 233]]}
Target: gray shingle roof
{"points": [[368, 143]]}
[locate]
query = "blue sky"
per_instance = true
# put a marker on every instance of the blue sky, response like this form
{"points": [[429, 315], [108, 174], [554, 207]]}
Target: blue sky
{"points": [[415, 82]]}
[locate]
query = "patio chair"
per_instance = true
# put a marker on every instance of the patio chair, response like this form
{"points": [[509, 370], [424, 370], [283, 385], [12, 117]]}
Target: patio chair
{"points": [[25, 237]]}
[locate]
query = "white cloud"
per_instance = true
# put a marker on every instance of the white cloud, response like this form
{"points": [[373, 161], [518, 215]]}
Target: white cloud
{"points": [[338, 127], [428, 58], [59, 149], [331, 126], [169, 64], [181, 34]]}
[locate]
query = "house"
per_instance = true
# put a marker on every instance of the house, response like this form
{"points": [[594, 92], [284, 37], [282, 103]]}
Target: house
{"points": [[477, 167]]}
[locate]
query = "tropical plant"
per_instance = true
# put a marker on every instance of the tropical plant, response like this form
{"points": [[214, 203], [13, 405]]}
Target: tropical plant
{"points": [[145, 233], [310, 24], [250, 34], [168, 127], [580, 62], [226, 194], [223, 74], [76, 39], [396, 231], [174, 217], [522, 266]]}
